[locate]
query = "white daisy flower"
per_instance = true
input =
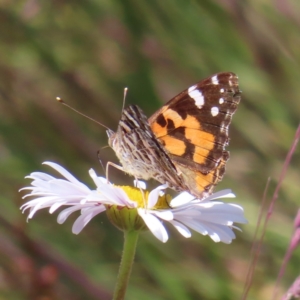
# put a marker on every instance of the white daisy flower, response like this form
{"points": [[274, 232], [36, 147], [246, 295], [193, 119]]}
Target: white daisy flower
{"points": [[131, 207]]}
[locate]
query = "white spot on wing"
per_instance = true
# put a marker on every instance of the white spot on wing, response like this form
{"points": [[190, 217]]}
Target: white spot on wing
{"points": [[221, 100], [222, 90], [214, 111], [196, 95], [215, 80], [191, 88]]}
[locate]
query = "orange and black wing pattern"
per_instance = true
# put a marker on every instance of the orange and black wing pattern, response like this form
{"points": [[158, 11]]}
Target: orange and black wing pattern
{"points": [[193, 130]]}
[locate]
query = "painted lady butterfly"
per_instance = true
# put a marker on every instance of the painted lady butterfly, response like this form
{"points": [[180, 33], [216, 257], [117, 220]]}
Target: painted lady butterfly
{"points": [[183, 143]]}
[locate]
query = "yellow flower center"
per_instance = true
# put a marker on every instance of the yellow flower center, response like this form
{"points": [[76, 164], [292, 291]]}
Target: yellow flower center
{"points": [[128, 218], [141, 197]]}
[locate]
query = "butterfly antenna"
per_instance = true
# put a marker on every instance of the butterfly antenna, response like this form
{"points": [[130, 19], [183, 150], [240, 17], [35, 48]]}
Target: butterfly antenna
{"points": [[100, 160], [124, 98], [80, 113]]}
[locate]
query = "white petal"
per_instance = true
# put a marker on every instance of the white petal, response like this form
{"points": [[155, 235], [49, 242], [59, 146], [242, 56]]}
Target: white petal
{"points": [[221, 233], [217, 212], [182, 199], [117, 196], [220, 194], [217, 232], [154, 195], [63, 187], [194, 224], [97, 180], [140, 184], [56, 206], [43, 202], [85, 218], [112, 194], [183, 230], [34, 209], [62, 171], [154, 225], [40, 176], [64, 214], [166, 215], [51, 192]]}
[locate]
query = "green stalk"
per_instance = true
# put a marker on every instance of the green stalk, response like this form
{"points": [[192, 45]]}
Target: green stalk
{"points": [[130, 242]]}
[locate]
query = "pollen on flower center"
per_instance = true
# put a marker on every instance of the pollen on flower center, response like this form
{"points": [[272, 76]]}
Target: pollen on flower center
{"points": [[136, 194], [141, 197], [163, 202]]}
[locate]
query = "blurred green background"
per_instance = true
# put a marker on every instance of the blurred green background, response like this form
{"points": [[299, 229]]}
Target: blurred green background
{"points": [[87, 52]]}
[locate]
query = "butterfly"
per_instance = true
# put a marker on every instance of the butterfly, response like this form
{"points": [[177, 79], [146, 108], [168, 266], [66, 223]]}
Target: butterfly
{"points": [[183, 143]]}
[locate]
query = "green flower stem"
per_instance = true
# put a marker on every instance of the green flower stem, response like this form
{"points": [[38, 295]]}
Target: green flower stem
{"points": [[130, 242]]}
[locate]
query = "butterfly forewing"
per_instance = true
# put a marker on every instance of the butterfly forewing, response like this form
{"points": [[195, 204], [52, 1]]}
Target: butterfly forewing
{"points": [[140, 152], [183, 143]]}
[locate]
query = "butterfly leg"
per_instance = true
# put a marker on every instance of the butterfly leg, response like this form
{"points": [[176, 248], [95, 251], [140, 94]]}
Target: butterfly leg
{"points": [[113, 165], [141, 188]]}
